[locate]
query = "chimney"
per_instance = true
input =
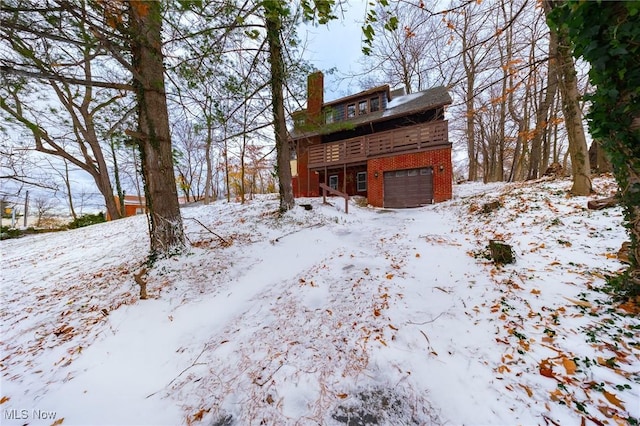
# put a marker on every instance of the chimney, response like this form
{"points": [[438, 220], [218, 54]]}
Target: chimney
{"points": [[315, 98]]}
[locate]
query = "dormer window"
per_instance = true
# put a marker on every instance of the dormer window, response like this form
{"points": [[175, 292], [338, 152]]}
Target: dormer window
{"points": [[351, 110], [362, 107], [374, 104], [299, 119], [328, 116]]}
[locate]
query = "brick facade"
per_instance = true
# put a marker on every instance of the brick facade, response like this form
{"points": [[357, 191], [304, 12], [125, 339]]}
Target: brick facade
{"points": [[437, 159]]}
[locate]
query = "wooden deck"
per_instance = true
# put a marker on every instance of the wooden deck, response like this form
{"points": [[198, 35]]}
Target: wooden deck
{"points": [[354, 150]]}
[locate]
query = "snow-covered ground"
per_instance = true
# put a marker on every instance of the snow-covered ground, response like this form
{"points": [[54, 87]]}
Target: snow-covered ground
{"points": [[319, 317]]}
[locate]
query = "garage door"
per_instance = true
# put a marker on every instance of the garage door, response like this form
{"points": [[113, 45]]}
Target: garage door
{"points": [[408, 188]]}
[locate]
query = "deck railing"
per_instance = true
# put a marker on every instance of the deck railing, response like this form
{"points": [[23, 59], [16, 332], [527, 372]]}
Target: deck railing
{"points": [[414, 138]]}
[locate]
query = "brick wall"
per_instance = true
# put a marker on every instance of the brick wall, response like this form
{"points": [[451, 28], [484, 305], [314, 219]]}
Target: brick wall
{"points": [[442, 180], [315, 98], [306, 183]]}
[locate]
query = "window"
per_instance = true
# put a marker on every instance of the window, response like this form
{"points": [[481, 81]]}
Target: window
{"points": [[333, 182], [362, 107], [413, 172], [401, 173], [328, 116], [374, 104], [361, 181], [351, 110]]}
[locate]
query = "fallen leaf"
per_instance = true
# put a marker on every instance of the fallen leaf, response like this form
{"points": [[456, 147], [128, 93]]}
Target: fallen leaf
{"points": [[546, 368], [556, 395], [342, 395], [503, 368], [4, 399], [389, 276], [607, 411], [582, 303], [569, 365], [198, 416], [417, 254], [630, 307], [527, 389], [613, 399], [58, 422]]}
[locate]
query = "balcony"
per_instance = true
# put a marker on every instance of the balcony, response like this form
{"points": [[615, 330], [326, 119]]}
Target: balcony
{"points": [[404, 140]]}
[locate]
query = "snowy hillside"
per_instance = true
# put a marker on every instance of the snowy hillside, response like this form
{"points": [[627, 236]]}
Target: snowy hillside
{"points": [[323, 318]]}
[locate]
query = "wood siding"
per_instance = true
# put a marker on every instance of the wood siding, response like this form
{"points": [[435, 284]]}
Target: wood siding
{"points": [[407, 139]]}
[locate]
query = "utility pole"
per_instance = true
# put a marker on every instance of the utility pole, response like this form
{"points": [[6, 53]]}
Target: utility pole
{"points": [[26, 207]]}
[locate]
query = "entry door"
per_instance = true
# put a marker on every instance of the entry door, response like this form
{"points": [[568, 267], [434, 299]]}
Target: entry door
{"points": [[408, 188]]}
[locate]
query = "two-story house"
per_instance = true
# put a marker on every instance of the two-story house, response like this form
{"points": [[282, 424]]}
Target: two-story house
{"points": [[387, 146]]}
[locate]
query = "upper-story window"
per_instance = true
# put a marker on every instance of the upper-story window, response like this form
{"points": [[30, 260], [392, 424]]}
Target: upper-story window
{"points": [[328, 116], [362, 107], [351, 110], [374, 104], [298, 119]]}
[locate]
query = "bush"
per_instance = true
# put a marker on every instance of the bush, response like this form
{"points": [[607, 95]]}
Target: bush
{"points": [[86, 220], [6, 233]]}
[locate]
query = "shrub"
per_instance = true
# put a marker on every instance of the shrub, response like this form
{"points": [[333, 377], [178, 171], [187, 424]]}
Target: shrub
{"points": [[86, 220]]}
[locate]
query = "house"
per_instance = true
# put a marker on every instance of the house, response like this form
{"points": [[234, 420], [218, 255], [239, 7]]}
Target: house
{"points": [[134, 205], [387, 146]]}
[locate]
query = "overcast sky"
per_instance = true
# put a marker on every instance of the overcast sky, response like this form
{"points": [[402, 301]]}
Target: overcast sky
{"points": [[337, 44]]}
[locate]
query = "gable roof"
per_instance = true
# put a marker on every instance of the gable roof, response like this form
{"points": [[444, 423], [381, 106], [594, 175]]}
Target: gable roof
{"points": [[397, 107]]}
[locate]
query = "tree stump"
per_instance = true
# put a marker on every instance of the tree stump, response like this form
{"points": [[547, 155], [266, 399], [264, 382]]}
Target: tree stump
{"points": [[555, 170], [491, 206], [501, 253]]}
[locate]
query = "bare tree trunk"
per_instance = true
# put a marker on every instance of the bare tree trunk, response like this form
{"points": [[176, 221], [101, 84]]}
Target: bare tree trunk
{"points": [[208, 184], [568, 84], [226, 165], [154, 137], [597, 155], [274, 27], [539, 156], [67, 184], [116, 176]]}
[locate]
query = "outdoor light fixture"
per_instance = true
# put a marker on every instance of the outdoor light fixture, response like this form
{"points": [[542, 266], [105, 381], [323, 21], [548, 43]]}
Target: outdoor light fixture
{"points": [[441, 168], [375, 174]]}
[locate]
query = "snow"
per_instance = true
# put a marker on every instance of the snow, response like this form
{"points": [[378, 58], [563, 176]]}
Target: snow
{"points": [[395, 102], [320, 317]]}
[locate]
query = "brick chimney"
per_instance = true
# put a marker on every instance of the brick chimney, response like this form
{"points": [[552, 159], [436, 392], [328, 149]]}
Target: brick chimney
{"points": [[315, 98]]}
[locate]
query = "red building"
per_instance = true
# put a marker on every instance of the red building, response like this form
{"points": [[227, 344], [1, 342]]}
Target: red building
{"points": [[387, 146]]}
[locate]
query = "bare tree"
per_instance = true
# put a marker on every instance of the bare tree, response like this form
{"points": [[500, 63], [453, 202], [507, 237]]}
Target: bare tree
{"points": [[55, 50], [43, 206], [560, 49]]}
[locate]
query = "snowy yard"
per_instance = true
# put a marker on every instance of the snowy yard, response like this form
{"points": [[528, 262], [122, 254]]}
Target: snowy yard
{"points": [[323, 318]]}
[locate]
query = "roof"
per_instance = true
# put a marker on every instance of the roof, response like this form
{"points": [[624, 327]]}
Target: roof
{"points": [[396, 108], [384, 88]]}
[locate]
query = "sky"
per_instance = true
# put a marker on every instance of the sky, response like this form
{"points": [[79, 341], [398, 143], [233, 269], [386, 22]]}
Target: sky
{"points": [[320, 316], [338, 45]]}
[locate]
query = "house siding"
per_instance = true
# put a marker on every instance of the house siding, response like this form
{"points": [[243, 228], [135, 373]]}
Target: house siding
{"points": [[442, 180], [305, 184]]}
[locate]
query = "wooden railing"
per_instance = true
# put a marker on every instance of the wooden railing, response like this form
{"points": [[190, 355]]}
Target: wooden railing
{"points": [[414, 138], [326, 188]]}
